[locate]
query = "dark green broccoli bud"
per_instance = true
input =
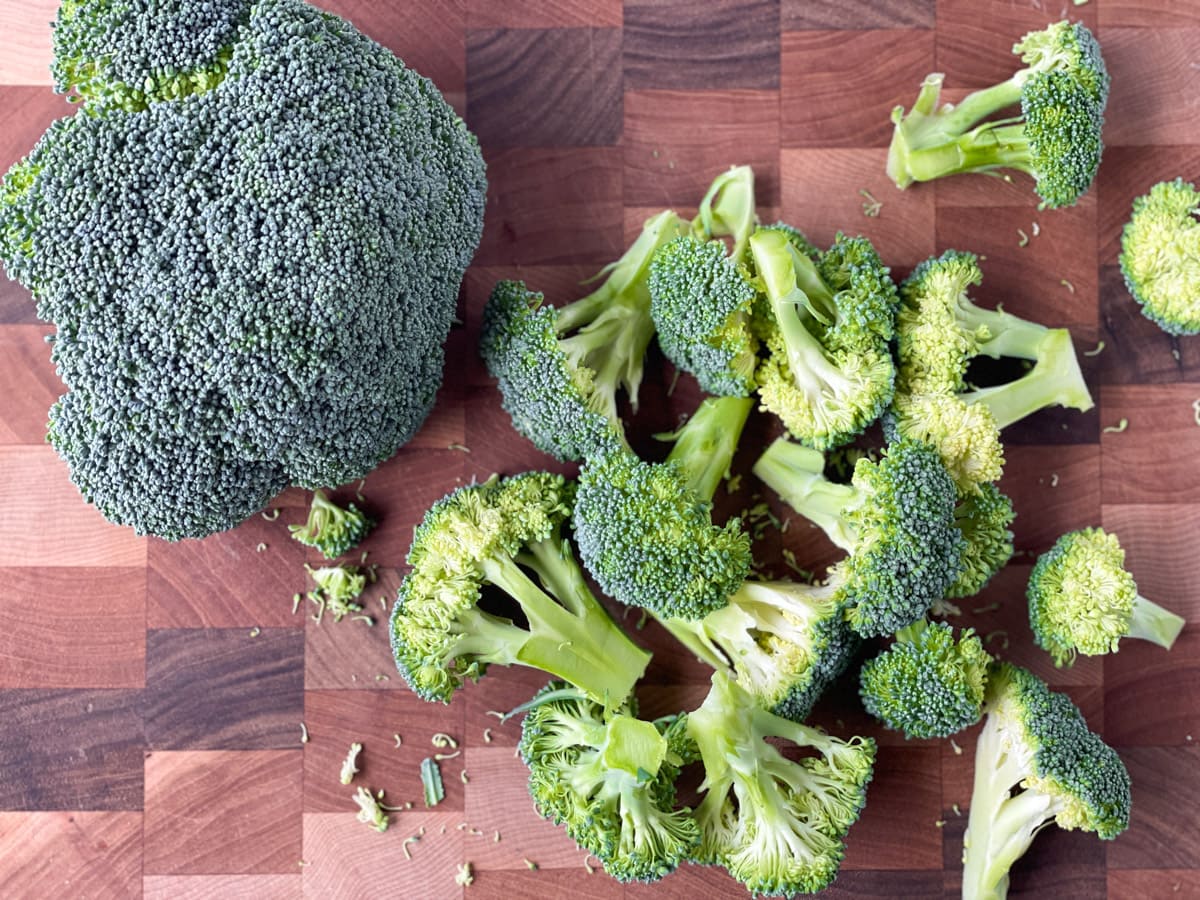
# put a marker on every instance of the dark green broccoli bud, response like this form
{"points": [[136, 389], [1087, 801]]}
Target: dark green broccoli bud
{"points": [[1036, 762], [645, 530], [1160, 256], [559, 369], [609, 777], [489, 534], [1082, 600], [250, 245], [828, 371], [984, 517], [1062, 91], [927, 684], [895, 520], [777, 824], [331, 529]]}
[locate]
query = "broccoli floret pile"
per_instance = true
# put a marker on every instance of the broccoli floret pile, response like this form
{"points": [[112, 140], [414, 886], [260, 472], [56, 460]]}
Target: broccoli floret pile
{"points": [[249, 241], [1062, 90], [1160, 256]]}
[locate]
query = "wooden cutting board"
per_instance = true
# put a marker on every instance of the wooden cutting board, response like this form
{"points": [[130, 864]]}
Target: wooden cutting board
{"points": [[152, 695]]}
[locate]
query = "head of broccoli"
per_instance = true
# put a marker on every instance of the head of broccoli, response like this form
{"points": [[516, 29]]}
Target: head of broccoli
{"points": [[1160, 256]]}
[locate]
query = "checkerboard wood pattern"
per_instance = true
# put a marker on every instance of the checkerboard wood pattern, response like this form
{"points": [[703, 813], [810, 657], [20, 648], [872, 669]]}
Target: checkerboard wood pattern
{"points": [[152, 695]]}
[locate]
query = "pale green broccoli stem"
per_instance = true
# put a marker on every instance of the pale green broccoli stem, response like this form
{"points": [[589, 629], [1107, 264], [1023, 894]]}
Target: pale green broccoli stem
{"points": [[1150, 622], [1055, 380], [728, 210], [613, 346], [909, 634], [705, 445], [979, 150], [795, 473]]}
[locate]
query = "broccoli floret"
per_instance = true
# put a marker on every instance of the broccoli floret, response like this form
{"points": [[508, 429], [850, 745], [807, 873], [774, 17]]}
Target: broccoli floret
{"points": [[895, 520], [727, 210], [777, 824], [1082, 600], [645, 530], [827, 371], [337, 589], [1035, 762], [939, 331], [489, 534], [927, 684], [609, 777], [1056, 139], [559, 369], [331, 529], [983, 516], [250, 245], [1160, 256]]}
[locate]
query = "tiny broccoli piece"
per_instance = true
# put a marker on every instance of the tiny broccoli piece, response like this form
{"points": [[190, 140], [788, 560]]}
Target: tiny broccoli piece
{"points": [[488, 534], [609, 778], [927, 684], [1036, 762], [895, 520], [1160, 256], [1082, 600], [331, 529], [1056, 139], [560, 368], [827, 371], [350, 764], [983, 516], [645, 530], [777, 824], [337, 589]]}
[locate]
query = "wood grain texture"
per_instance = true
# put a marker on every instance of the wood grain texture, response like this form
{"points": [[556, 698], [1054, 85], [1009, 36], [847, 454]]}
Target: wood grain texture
{"points": [[227, 887], [26, 30], [71, 854]]}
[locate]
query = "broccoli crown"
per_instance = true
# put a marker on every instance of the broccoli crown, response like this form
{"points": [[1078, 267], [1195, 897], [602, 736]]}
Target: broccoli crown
{"points": [[609, 777], [984, 517], [331, 529], [1063, 123], [701, 301], [488, 534], [250, 243], [965, 434], [1082, 600], [927, 684], [1160, 256], [777, 824]]}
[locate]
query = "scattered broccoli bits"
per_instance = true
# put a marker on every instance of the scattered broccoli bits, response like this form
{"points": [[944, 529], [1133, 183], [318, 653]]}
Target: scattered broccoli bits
{"points": [[1160, 256]]}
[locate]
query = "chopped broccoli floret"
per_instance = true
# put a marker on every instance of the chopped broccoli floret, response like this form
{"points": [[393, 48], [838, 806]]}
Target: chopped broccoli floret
{"points": [[827, 371], [777, 824], [488, 534], [1082, 600], [1036, 762], [983, 516], [1160, 256], [1056, 139], [927, 684], [337, 589], [645, 530], [895, 520], [609, 778], [331, 529], [560, 368]]}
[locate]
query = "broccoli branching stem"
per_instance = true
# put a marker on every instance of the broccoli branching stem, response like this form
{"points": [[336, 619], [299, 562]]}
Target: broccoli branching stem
{"points": [[1150, 622], [795, 473], [1055, 379], [705, 445]]}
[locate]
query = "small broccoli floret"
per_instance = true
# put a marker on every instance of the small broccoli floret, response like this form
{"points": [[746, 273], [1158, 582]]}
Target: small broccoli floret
{"points": [[1160, 256], [609, 777], [489, 534], [895, 520], [645, 530], [331, 529], [337, 589], [983, 517], [1036, 762], [927, 684], [777, 824], [560, 368], [827, 372], [1062, 91], [1082, 600]]}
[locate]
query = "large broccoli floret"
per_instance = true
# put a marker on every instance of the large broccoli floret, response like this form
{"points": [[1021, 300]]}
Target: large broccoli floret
{"points": [[1082, 600], [1036, 762], [939, 331], [645, 530], [895, 520], [609, 778], [1160, 256], [489, 534], [827, 371], [927, 684], [250, 244], [1062, 91], [777, 824], [560, 369], [983, 516]]}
